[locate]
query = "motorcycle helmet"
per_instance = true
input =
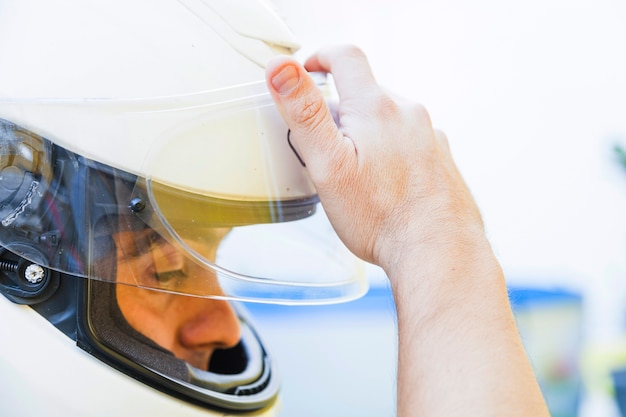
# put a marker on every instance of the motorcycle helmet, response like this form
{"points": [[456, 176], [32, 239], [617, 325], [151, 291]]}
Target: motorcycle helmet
{"points": [[147, 187]]}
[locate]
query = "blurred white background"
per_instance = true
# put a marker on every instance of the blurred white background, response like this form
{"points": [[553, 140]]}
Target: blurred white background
{"points": [[532, 96]]}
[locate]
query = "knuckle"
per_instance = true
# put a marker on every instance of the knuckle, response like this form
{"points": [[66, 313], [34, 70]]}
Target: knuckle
{"points": [[441, 136], [385, 106], [419, 113], [388, 107], [352, 51], [310, 114]]}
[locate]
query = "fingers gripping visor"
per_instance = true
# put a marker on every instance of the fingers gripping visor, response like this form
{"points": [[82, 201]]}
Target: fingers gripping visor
{"points": [[175, 195]]}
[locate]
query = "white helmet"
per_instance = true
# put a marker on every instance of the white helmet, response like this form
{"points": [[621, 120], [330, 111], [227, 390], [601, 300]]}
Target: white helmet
{"points": [[139, 148]]}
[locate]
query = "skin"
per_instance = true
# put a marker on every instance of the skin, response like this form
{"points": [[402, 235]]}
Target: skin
{"points": [[190, 327], [392, 191]]}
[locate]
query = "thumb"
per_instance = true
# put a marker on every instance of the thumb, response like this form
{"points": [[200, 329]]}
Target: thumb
{"points": [[303, 107]]}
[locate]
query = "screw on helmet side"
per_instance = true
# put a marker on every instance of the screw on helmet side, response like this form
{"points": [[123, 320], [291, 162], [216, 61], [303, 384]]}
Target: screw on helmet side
{"points": [[25, 282]]}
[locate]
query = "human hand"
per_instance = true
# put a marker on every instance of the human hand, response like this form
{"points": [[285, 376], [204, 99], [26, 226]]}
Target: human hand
{"points": [[385, 177], [393, 193]]}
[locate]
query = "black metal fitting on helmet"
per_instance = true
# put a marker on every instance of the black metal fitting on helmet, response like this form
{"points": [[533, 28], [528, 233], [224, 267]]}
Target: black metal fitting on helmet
{"points": [[25, 282], [137, 205]]}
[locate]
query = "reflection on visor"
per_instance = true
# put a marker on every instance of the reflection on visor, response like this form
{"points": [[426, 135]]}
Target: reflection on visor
{"points": [[74, 215]]}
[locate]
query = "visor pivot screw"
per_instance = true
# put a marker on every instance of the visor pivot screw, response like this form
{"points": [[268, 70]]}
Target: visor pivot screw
{"points": [[34, 273], [137, 204]]}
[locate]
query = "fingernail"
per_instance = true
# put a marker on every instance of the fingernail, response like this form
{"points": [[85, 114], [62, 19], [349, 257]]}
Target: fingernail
{"points": [[285, 80]]}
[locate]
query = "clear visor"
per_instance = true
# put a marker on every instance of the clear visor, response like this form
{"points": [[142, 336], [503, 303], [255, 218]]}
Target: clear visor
{"points": [[217, 203]]}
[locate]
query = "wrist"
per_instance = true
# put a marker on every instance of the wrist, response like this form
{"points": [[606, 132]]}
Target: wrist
{"points": [[454, 264]]}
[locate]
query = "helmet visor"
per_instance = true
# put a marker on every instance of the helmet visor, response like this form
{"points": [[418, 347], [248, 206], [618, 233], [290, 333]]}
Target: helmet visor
{"points": [[219, 204]]}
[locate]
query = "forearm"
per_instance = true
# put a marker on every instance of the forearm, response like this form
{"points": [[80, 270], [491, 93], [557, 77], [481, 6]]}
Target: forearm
{"points": [[459, 349]]}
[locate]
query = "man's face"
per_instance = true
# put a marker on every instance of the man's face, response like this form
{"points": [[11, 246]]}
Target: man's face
{"points": [[189, 327]]}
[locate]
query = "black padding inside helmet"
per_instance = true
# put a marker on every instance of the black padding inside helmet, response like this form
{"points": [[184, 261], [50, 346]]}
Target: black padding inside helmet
{"points": [[112, 328]]}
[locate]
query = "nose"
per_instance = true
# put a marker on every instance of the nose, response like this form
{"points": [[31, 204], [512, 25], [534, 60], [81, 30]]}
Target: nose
{"points": [[212, 324]]}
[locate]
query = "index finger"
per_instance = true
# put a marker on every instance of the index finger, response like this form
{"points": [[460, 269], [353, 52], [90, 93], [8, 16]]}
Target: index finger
{"points": [[349, 67]]}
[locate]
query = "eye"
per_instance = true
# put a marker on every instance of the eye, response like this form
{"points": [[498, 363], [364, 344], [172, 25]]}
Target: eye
{"points": [[169, 277], [139, 243], [154, 239], [167, 264]]}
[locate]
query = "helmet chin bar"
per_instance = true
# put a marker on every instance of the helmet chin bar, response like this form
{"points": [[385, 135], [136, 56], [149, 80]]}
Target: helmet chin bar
{"points": [[242, 378]]}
